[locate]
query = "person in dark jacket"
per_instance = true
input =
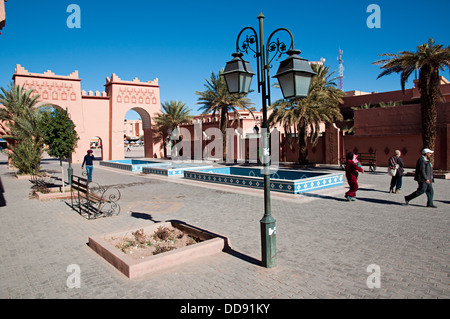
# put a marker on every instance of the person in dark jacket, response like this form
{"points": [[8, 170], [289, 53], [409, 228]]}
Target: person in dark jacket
{"points": [[89, 161], [397, 179], [424, 178], [351, 172]]}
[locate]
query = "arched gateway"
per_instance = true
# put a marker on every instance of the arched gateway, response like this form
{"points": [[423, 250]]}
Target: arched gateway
{"points": [[99, 114]]}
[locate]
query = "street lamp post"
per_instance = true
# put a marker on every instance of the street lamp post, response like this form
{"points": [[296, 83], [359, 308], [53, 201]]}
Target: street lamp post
{"points": [[69, 158], [294, 76]]}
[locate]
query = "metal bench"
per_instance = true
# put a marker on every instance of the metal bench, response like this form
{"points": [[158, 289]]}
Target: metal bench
{"points": [[91, 200], [369, 159]]}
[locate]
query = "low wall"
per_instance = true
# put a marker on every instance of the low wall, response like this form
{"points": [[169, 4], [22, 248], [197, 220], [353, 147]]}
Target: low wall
{"points": [[409, 145]]}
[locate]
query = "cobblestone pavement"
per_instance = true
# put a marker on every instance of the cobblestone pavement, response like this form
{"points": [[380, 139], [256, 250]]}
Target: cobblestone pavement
{"points": [[324, 243]]}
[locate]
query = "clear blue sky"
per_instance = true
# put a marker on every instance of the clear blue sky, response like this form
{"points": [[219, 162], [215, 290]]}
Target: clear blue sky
{"points": [[182, 42]]}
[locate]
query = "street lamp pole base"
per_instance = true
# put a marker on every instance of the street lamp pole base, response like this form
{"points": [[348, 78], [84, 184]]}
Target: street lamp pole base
{"points": [[268, 242]]}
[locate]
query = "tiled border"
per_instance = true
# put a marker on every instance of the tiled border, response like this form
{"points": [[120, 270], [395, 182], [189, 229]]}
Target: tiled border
{"points": [[170, 171], [129, 167], [278, 185]]}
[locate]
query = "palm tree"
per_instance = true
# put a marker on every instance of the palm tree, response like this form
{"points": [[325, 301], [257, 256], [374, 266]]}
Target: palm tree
{"points": [[428, 59], [300, 115], [174, 114], [22, 116], [217, 99]]}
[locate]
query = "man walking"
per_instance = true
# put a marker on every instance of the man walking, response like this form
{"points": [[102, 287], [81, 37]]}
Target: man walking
{"points": [[424, 178], [89, 161]]}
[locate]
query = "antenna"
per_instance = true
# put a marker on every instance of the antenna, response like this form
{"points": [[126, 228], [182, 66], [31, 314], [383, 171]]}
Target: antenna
{"points": [[341, 70]]}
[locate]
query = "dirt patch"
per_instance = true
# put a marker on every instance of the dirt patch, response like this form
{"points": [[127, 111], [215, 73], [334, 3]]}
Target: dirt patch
{"points": [[139, 245]]}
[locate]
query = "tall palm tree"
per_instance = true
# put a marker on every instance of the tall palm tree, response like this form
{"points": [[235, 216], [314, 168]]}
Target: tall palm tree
{"points": [[300, 115], [217, 99], [22, 114], [428, 59], [174, 113]]}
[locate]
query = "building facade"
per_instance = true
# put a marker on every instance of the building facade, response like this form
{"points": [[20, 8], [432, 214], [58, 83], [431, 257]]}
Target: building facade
{"points": [[2, 15], [133, 129], [390, 128], [100, 115]]}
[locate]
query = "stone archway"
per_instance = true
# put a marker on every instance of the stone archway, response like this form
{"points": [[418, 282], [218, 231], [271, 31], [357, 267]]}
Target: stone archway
{"points": [[148, 132], [140, 97], [96, 145], [99, 114]]}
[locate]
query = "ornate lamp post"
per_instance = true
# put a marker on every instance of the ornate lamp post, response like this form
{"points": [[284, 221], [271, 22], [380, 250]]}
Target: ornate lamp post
{"points": [[294, 76], [69, 158]]}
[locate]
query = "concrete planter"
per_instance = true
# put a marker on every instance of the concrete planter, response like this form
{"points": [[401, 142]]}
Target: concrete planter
{"points": [[211, 244], [54, 195], [23, 177]]}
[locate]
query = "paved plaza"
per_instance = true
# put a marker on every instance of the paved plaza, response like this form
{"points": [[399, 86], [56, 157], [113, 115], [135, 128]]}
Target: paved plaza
{"points": [[325, 245]]}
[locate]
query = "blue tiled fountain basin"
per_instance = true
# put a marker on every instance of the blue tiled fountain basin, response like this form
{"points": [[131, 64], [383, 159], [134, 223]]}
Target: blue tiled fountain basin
{"points": [[173, 169], [132, 164], [287, 181]]}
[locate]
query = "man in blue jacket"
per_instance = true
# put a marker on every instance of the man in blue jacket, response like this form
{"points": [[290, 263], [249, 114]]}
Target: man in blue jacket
{"points": [[89, 161], [424, 178]]}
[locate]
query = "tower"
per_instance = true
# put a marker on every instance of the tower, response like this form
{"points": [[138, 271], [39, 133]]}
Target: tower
{"points": [[341, 70]]}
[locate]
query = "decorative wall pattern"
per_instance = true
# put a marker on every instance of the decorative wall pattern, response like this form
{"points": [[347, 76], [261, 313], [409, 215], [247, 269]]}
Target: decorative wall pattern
{"points": [[52, 90], [137, 96]]}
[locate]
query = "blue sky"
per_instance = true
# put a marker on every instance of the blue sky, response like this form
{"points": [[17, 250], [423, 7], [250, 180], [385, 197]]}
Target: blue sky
{"points": [[182, 42]]}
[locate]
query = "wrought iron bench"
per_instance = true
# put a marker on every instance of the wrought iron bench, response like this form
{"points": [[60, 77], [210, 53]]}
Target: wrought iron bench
{"points": [[92, 200]]}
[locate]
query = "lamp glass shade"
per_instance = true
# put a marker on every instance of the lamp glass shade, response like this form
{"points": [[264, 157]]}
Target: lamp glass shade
{"points": [[245, 81], [294, 76], [238, 75], [232, 80], [295, 84]]}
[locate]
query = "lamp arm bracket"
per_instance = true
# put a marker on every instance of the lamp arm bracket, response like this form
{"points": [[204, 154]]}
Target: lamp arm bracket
{"points": [[248, 44], [278, 48]]}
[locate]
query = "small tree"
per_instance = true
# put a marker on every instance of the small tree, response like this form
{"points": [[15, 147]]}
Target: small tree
{"points": [[298, 116], [21, 115], [60, 135]]}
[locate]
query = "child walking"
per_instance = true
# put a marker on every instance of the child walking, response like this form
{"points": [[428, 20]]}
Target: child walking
{"points": [[352, 167]]}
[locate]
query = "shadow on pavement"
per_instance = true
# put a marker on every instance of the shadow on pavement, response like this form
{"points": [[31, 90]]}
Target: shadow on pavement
{"points": [[380, 201], [244, 257], [144, 216], [325, 197]]}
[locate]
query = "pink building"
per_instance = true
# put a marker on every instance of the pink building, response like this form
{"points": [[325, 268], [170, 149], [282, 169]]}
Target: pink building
{"points": [[398, 127], [133, 129], [99, 115], [380, 130], [2, 14]]}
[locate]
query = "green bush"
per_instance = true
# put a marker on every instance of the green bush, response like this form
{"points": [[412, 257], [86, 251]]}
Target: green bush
{"points": [[26, 157]]}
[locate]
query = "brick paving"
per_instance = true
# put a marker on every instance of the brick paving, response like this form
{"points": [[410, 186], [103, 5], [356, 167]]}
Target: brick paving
{"points": [[324, 243]]}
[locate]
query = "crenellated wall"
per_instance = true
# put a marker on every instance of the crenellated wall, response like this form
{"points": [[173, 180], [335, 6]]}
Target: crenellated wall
{"points": [[99, 114]]}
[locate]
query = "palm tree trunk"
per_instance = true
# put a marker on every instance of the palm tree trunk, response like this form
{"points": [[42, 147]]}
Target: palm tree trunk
{"points": [[302, 142], [429, 93], [223, 129]]}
